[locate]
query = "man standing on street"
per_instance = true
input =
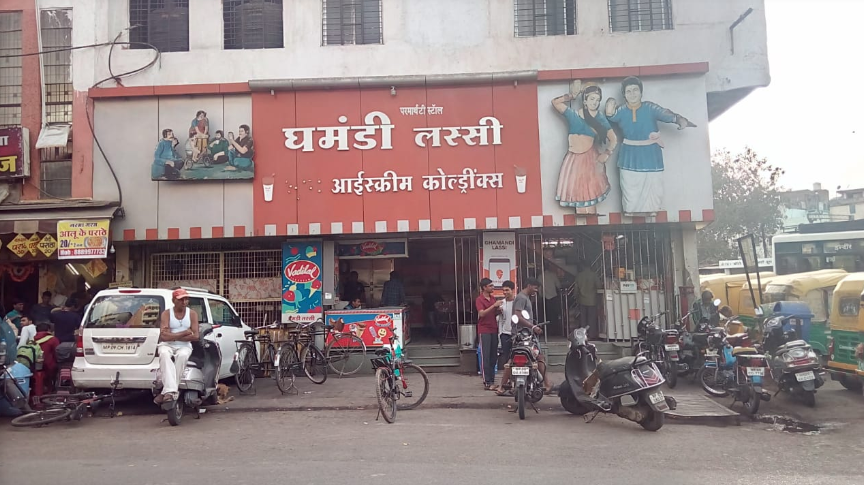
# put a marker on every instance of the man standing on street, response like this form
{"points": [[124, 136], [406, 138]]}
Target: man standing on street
{"points": [[523, 302], [487, 326], [177, 329], [41, 312], [505, 329], [587, 283], [66, 321]]}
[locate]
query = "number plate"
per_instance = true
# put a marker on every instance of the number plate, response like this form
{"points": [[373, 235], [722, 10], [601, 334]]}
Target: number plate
{"points": [[805, 376], [119, 348], [520, 371], [657, 397], [710, 353], [755, 371], [672, 347]]}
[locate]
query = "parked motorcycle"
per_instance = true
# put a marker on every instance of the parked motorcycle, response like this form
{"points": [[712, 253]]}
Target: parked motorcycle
{"points": [[734, 367], [794, 366], [525, 377], [628, 387], [661, 346], [692, 346], [198, 384]]}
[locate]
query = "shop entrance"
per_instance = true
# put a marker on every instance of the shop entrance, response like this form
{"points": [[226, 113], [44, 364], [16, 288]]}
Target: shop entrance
{"points": [[439, 279]]}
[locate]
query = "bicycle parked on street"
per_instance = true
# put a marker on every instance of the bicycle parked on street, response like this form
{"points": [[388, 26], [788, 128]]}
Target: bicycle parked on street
{"points": [[396, 379], [301, 352], [248, 364], [68, 407], [345, 351]]}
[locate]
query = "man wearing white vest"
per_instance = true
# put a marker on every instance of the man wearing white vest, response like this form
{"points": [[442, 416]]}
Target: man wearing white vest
{"points": [[178, 327]]}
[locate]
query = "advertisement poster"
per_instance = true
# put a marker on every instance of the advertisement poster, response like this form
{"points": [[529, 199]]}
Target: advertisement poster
{"points": [[373, 248], [302, 281], [498, 255], [82, 239], [374, 327], [14, 153]]}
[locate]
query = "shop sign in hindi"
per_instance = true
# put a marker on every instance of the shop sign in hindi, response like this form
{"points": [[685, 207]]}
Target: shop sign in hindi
{"points": [[18, 245], [14, 153], [48, 245], [33, 244], [82, 239]]}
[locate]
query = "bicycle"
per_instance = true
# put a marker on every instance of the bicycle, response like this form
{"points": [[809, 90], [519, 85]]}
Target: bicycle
{"points": [[345, 352], [248, 363], [301, 352], [69, 407], [392, 382]]}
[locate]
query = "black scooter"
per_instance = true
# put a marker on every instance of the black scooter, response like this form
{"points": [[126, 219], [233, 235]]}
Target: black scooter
{"points": [[627, 387]]}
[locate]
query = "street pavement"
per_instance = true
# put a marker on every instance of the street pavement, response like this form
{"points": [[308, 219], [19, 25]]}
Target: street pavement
{"points": [[461, 434]]}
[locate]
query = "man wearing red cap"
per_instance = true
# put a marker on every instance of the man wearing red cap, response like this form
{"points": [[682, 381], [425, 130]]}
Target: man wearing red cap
{"points": [[178, 327]]}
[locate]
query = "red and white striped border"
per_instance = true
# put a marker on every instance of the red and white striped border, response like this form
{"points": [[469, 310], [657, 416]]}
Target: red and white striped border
{"points": [[397, 226]]}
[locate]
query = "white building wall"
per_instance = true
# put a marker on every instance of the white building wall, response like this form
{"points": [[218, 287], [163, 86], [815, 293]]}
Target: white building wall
{"points": [[431, 37]]}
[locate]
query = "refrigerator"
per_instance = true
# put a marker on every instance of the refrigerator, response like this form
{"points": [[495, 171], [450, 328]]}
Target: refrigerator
{"points": [[373, 273]]}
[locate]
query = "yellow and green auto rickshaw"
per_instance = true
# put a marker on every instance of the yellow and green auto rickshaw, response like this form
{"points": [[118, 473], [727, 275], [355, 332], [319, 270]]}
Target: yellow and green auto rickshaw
{"points": [[727, 288], [745, 309], [846, 322], [814, 288]]}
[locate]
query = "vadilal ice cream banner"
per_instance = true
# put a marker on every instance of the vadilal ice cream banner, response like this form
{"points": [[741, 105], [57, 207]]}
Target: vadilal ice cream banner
{"points": [[302, 281]]}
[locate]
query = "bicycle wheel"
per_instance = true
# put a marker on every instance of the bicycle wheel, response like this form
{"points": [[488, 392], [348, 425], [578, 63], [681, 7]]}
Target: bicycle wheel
{"points": [[61, 400], [287, 361], [346, 354], [245, 377], [40, 418], [415, 386], [385, 392], [314, 364]]}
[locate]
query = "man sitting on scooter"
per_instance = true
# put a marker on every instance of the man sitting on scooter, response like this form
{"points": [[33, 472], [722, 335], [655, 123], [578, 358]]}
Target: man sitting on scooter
{"points": [[178, 328], [523, 302]]}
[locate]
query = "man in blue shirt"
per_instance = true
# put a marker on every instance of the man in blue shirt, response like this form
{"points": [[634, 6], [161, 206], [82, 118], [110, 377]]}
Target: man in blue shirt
{"points": [[393, 293], [7, 334], [15, 315]]}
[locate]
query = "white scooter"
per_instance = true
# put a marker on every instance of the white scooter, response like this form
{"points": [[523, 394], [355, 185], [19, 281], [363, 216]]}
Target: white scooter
{"points": [[198, 384]]}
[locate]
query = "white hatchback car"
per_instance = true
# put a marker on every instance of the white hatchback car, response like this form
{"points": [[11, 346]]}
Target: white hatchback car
{"points": [[120, 330]]}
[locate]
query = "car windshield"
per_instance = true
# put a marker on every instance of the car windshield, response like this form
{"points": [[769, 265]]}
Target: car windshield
{"points": [[125, 311]]}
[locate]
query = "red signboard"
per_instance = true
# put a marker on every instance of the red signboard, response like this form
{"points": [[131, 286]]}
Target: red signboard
{"points": [[424, 158], [14, 153]]}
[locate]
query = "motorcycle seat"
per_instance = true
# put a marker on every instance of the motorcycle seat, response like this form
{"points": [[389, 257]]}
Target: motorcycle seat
{"points": [[743, 350], [607, 368], [792, 344]]}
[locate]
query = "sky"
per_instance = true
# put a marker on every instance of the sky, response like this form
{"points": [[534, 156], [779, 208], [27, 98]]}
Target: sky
{"points": [[810, 119]]}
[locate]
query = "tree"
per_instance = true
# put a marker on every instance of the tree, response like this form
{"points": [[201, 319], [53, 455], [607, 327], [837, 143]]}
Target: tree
{"points": [[746, 201]]}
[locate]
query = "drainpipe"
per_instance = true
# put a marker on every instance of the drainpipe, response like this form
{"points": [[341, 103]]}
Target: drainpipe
{"points": [[735, 24]]}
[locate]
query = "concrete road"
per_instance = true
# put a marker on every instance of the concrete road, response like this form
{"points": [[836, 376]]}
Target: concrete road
{"points": [[432, 446]]}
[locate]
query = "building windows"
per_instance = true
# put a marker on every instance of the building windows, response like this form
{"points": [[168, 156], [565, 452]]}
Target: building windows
{"points": [[347, 22], [164, 24], [252, 24], [56, 26], [56, 163], [640, 15], [535, 18], [10, 69]]}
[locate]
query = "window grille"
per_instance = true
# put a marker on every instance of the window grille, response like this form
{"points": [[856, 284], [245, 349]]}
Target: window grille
{"points": [[163, 24], [55, 170], [56, 26], [10, 69], [535, 18], [347, 22], [252, 24], [640, 15]]}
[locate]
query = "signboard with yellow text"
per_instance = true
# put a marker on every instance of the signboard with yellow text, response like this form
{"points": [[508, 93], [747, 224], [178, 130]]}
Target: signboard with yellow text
{"points": [[82, 239]]}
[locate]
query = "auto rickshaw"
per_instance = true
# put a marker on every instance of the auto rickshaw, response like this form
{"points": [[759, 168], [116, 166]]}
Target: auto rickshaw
{"points": [[726, 288], [745, 309], [846, 324], [814, 288]]}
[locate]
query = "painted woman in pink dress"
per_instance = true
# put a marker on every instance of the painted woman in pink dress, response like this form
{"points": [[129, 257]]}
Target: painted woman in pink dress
{"points": [[582, 182]]}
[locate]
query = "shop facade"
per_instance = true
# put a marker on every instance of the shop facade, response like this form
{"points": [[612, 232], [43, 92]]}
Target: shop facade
{"points": [[442, 182]]}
